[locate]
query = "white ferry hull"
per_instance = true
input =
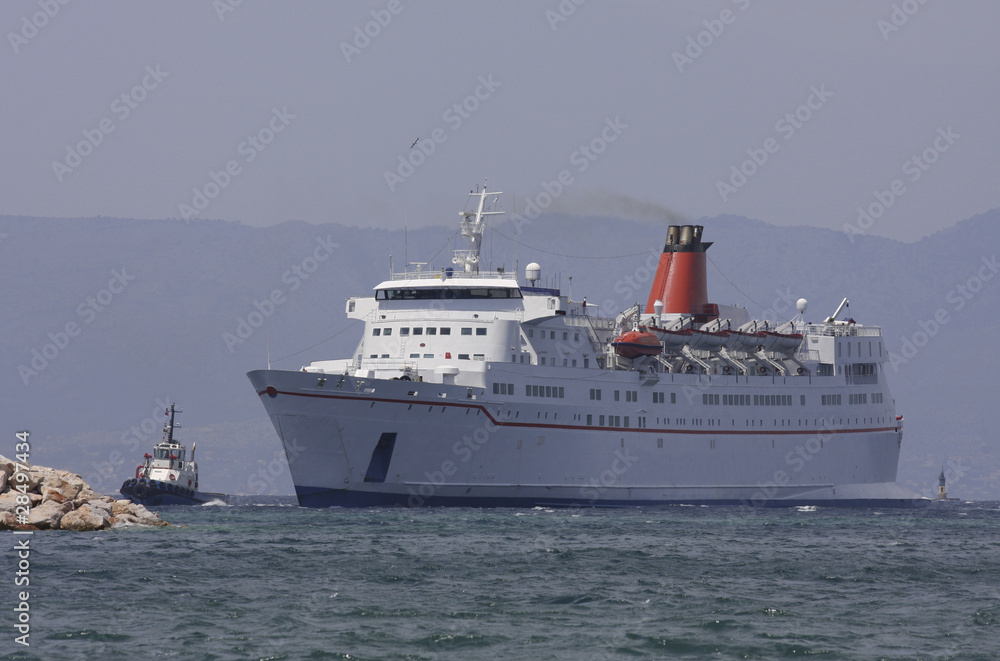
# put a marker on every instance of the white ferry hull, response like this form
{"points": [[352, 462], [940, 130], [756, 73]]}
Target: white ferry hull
{"points": [[364, 441]]}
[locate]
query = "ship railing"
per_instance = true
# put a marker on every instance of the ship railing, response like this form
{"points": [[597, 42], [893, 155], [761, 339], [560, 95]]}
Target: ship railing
{"points": [[388, 364], [440, 275], [597, 325], [807, 355], [843, 330]]}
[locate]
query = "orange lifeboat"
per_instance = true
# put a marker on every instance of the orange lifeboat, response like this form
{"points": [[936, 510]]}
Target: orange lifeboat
{"points": [[636, 343]]}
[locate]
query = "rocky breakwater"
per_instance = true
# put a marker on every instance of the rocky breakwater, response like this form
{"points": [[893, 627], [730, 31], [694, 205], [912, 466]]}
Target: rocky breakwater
{"points": [[50, 499]]}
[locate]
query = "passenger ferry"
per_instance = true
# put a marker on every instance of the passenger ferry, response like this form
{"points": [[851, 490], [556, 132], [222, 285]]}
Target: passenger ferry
{"points": [[471, 387]]}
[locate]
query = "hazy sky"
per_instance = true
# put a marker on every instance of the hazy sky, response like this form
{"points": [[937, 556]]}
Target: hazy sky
{"points": [[263, 112]]}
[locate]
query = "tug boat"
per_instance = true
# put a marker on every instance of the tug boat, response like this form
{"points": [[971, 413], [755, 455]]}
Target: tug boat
{"points": [[166, 477]]}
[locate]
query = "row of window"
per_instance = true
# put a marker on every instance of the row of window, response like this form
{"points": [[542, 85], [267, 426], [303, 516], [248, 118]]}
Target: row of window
{"points": [[613, 421], [552, 334], [848, 345], [713, 399], [425, 293], [430, 330], [545, 391], [503, 388]]}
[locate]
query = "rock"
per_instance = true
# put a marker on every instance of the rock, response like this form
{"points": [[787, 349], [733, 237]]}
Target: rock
{"points": [[61, 499], [6, 465], [120, 506], [8, 501], [57, 487], [34, 479], [105, 504], [89, 494], [51, 494], [124, 519], [48, 515], [86, 518], [146, 517]]}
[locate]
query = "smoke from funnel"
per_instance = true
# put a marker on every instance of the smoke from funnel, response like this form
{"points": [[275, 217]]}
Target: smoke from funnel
{"points": [[614, 205]]}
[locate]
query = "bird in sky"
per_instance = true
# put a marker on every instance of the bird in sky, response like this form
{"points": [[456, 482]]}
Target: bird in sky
{"points": [[414, 143]]}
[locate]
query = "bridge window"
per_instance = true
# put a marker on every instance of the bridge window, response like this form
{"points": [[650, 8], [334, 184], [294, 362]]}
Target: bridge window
{"points": [[431, 293]]}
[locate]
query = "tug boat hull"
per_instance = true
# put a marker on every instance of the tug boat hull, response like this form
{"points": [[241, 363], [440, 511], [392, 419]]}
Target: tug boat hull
{"points": [[154, 493]]}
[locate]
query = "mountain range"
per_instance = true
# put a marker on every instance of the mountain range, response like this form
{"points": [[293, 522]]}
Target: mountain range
{"points": [[108, 320]]}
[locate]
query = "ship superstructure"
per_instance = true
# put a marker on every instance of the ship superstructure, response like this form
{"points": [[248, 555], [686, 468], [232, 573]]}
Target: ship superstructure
{"points": [[470, 387]]}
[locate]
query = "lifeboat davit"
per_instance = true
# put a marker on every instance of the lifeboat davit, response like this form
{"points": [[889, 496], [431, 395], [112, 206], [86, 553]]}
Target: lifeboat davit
{"points": [[636, 343]]}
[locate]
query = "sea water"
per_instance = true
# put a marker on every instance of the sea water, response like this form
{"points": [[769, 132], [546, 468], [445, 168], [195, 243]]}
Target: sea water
{"points": [[265, 579]]}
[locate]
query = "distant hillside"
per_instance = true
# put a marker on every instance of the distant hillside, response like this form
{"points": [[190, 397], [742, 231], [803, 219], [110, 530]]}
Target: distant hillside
{"points": [[105, 319]]}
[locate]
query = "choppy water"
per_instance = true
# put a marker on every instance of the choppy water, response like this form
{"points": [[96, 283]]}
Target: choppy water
{"points": [[272, 581]]}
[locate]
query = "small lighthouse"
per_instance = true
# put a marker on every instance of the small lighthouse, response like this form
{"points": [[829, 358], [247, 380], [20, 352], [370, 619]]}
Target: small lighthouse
{"points": [[942, 489]]}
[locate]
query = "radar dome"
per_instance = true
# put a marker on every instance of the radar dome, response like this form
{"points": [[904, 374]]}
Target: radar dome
{"points": [[533, 273], [801, 305]]}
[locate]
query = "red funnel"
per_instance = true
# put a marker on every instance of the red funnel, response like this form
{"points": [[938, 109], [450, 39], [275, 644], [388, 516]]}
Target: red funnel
{"points": [[681, 281]]}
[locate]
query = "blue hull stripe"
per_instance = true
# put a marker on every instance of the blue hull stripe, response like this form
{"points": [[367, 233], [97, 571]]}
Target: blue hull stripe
{"points": [[315, 497]]}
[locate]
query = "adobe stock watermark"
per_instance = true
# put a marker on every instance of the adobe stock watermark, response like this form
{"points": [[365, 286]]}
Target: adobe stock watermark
{"points": [[958, 296], [610, 477], [898, 17], [786, 126], [462, 451], [580, 159], [262, 482], [562, 12], [133, 439], [249, 149], [293, 276], [796, 459], [122, 108], [87, 311], [699, 43], [223, 7], [381, 18], [454, 116], [783, 305], [633, 284], [914, 168], [31, 25]]}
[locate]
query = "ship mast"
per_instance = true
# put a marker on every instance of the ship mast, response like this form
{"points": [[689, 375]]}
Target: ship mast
{"points": [[473, 223], [168, 429]]}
